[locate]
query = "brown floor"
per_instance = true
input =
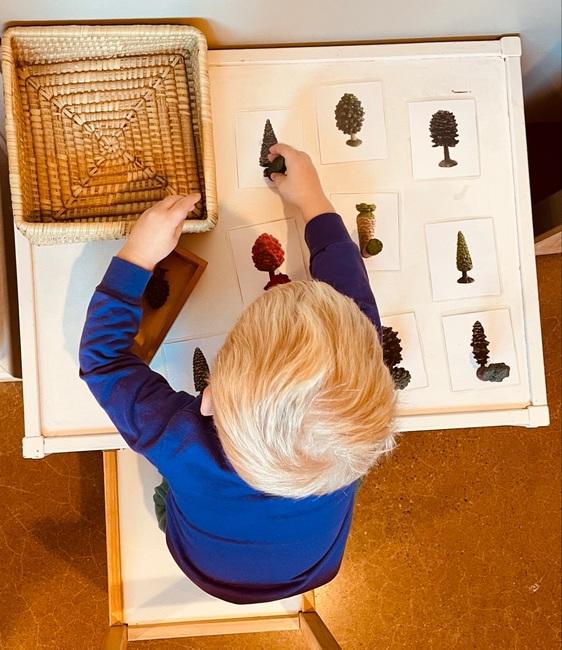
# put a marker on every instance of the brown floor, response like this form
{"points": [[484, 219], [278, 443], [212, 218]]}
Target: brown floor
{"points": [[455, 541]]}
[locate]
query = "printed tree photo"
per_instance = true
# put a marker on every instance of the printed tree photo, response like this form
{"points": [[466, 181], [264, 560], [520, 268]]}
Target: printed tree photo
{"points": [[350, 115], [464, 261], [444, 133], [268, 255], [494, 372], [269, 139]]}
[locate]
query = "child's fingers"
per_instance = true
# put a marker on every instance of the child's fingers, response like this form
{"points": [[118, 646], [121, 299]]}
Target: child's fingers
{"points": [[281, 149], [278, 179], [169, 201], [179, 210]]}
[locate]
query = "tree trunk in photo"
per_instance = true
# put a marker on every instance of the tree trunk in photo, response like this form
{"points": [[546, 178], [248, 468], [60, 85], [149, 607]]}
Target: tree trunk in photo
{"points": [[353, 141], [465, 278], [447, 161]]}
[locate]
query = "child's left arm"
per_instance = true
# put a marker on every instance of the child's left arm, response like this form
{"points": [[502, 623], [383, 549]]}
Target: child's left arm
{"points": [[139, 401]]}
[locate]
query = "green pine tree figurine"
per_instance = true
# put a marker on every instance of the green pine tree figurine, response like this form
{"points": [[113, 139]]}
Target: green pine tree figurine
{"points": [[268, 140], [464, 261]]}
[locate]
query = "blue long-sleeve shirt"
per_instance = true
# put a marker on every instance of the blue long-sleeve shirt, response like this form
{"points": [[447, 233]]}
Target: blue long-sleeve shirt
{"points": [[231, 540]]}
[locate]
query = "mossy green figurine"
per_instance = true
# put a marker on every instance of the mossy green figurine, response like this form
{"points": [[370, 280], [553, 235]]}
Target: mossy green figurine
{"points": [[368, 244]]}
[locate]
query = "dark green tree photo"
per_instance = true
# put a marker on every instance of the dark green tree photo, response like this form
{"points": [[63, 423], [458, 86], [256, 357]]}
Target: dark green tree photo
{"points": [[444, 133], [350, 115]]}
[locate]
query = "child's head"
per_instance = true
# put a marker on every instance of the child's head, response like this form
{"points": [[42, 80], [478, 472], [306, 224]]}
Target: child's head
{"points": [[302, 400]]}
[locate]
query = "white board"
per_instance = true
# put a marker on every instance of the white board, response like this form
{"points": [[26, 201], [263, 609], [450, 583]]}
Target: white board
{"points": [[154, 587], [290, 79]]}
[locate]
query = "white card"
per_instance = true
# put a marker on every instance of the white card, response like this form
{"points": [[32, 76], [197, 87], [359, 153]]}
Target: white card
{"points": [[412, 355], [387, 225], [372, 134], [249, 134], [442, 254], [178, 360], [429, 161], [458, 337], [252, 281]]}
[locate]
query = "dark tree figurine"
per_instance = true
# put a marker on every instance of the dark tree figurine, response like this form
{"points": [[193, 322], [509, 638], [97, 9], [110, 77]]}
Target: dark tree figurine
{"points": [[158, 289], [464, 261], [444, 133], [392, 356], [278, 164], [350, 115], [268, 255], [200, 370], [494, 372]]}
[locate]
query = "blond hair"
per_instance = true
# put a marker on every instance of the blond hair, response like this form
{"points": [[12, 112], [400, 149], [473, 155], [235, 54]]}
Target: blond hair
{"points": [[303, 403]]}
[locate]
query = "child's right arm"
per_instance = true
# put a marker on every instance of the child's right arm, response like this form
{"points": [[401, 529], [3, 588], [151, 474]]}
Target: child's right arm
{"points": [[334, 256]]}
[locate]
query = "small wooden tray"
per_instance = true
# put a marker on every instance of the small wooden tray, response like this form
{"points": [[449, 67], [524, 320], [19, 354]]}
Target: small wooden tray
{"points": [[184, 269]]}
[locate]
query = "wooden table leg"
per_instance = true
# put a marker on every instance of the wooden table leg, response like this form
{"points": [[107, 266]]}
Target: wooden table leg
{"points": [[315, 632], [116, 638]]}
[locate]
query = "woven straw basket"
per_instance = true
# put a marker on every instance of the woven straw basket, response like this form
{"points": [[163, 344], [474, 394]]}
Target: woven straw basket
{"points": [[101, 122]]}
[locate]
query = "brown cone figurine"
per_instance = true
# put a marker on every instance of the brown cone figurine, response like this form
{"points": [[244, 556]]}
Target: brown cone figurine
{"points": [[368, 244]]}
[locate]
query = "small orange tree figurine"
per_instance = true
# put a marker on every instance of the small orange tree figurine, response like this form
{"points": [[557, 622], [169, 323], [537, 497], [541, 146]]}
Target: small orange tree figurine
{"points": [[268, 255]]}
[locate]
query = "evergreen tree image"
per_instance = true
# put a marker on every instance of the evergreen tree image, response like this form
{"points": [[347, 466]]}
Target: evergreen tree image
{"points": [[269, 139], [200, 370], [464, 261], [350, 115], [494, 372], [392, 356], [368, 244], [444, 133], [268, 255]]}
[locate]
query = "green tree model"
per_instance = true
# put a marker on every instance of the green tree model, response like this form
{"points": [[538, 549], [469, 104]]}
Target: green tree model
{"points": [[278, 164], [368, 244], [494, 372], [444, 133], [464, 261], [349, 118]]}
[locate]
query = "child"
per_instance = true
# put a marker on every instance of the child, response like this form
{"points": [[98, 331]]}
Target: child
{"points": [[263, 468]]}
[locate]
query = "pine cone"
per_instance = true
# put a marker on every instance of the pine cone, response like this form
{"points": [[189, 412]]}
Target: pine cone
{"points": [[392, 350], [277, 278], [200, 370], [158, 289], [267, 253], [276, 166], [401, 377], [479, 344]]}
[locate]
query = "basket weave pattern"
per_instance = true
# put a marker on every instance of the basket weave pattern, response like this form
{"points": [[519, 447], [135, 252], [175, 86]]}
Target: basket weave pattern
{"points": [[101, 123]]}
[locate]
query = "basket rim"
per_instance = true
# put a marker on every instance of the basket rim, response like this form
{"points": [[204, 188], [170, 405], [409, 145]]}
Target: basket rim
{"points": [[113, 228]]}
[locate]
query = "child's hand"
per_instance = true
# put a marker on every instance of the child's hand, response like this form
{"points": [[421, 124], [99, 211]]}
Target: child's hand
{"points": [[300, 186], [157, 231]]}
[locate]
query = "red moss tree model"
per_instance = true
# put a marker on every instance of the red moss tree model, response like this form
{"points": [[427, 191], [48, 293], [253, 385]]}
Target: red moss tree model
{"points": [[268, 255]]}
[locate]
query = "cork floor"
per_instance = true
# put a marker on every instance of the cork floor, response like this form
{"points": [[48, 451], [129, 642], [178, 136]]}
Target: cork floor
{"points": [[455, 541]]}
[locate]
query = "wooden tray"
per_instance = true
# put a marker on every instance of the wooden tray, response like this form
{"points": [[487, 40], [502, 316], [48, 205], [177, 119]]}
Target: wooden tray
{"points": [[183, 270], [145, 584]]}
